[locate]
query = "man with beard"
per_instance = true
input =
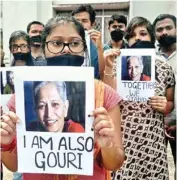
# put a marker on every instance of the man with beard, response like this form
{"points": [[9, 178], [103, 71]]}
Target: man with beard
{"points": [[117, 27], [165, 31], [34, 30]]}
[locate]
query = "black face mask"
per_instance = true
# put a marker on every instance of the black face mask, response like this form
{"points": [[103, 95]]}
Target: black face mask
{"points": [[166, 41], [24, 57], [36, 41], [65, 60], [117, 35], [142, 44]]}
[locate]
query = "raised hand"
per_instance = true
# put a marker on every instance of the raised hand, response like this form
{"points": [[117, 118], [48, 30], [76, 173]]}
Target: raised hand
{"points": [[8, 127], [158, 103], [103, 127]]}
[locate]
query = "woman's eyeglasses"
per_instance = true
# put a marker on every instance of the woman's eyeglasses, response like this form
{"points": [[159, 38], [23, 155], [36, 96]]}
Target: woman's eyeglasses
{"points": [[55, 47], [15, 47]]}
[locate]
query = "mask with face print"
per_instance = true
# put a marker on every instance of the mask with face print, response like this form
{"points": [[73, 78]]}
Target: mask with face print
{"points": [[65, 60]]}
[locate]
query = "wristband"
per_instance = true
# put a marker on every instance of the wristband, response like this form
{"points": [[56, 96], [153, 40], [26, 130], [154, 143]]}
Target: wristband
{"points": [[9, 147], [109, 74]]}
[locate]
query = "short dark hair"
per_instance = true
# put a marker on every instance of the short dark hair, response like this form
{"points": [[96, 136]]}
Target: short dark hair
{"points": [[118, 18], [86, 8], [57, 21], [19, 35], [164, 16], [31, 23], [140, 21]]}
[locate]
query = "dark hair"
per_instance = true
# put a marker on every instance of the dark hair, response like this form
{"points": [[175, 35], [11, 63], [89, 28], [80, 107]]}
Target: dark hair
{"points": [[164, 16], [59, 20], [18, 35], [118, 18], [21, 35], [140, 21], [86, 8], [31, 23]]}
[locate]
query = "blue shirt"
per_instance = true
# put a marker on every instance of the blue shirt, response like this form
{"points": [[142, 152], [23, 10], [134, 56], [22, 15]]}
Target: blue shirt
{"points": [[94, 60]]}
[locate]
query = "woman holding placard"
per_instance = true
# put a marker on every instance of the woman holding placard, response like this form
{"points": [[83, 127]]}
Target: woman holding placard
{"points": [[64, 44], [142, 123]]}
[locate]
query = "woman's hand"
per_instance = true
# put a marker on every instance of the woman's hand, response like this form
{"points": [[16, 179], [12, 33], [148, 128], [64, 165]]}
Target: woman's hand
{"points": [[110, 55], [158, 103], [103, 127], [8, 127], [96, 36]]}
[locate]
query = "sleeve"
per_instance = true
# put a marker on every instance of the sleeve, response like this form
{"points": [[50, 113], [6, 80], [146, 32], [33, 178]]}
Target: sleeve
{"points": [[170, 78], [94, 59], [111, 98], [11, 104]]}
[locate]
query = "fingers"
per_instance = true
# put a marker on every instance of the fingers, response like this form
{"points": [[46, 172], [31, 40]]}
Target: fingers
{"points": [[94, 33], [13, 116], [158, 99], [103, 125], [100, 111], [104, 128], [112, 52], [108, 132], [7, 120], [158, 102], [6, 129], [4, 132], [96, 37], [8, 123]]}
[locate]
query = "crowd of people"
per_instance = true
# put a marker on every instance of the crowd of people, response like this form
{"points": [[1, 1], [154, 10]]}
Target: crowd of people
{"points": [[135, 134]]}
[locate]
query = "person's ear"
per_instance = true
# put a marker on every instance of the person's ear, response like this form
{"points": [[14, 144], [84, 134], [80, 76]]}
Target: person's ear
{"points": [[66, 108]]}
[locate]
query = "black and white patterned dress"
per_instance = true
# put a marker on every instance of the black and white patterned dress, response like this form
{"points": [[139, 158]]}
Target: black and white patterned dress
{"points": [[143, 134]]}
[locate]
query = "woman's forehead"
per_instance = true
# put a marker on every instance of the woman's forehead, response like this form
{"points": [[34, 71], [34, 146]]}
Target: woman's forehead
{"points": [[65, 30], [140, 28]]}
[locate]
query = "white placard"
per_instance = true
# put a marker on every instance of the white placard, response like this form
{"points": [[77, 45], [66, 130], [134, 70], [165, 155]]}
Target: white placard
{"points": [[54, 152], [7, 87], [136, 74]]}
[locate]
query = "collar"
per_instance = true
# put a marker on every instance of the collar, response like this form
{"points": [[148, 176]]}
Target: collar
{"points": [[124, 45], [164, 54]]}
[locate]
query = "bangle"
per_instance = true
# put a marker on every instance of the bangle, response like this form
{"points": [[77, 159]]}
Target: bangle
{"points": [[109, 74], [9, 147]]}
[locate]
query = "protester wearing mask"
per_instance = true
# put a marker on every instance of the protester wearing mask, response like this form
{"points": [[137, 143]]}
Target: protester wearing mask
{"points": [[68, 36], [86, 15], [34, 30], [142, 123], [19, 45], [117, 27], [165, 31]]}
